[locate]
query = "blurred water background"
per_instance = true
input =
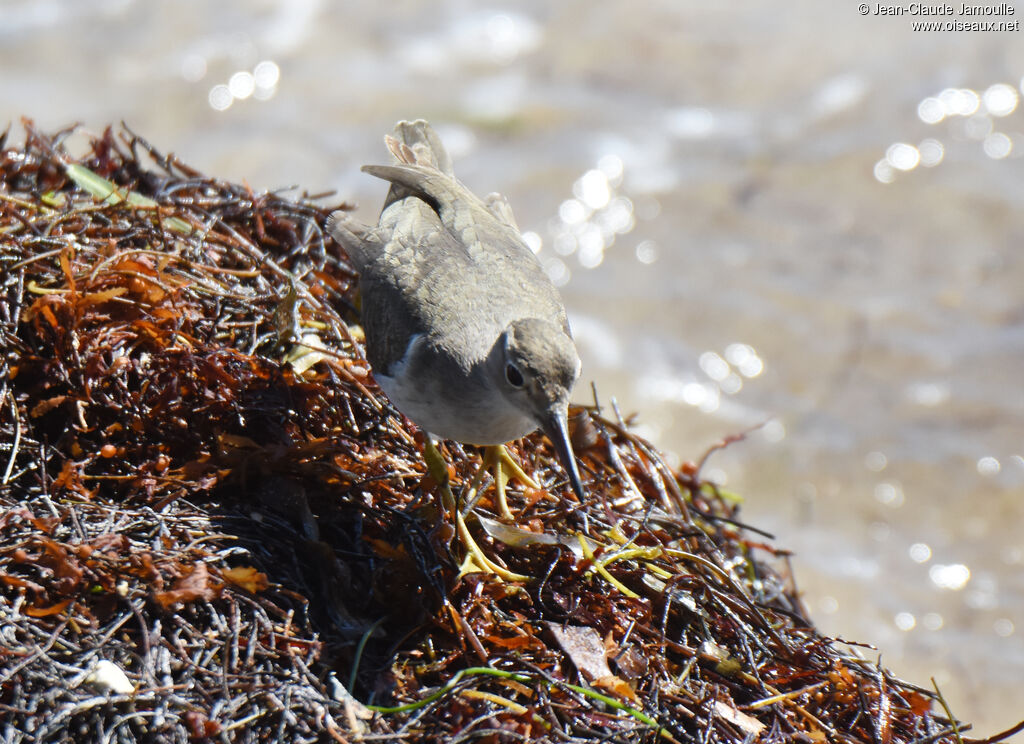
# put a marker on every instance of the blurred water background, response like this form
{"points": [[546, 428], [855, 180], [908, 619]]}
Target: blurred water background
{"points": [[797, 215]]}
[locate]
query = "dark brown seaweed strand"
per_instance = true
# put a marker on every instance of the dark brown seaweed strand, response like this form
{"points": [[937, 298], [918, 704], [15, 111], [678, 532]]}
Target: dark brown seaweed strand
{"points": [[261, 551]]}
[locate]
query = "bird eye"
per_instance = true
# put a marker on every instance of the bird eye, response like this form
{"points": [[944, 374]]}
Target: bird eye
{"points": [[513, 375]]}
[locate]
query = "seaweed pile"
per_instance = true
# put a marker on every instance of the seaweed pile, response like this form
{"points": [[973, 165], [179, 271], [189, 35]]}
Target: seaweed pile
{"points": [[214, 527]]}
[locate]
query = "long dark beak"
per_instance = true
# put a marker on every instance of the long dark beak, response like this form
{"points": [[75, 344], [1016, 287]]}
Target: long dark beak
{"points": [[557, 429]]}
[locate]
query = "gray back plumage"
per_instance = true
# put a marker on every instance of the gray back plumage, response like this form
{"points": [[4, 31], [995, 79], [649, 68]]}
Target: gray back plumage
{"points": [[431, 230]]}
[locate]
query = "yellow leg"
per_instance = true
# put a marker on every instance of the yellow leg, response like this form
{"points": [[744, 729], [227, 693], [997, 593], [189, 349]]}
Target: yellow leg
{"points": [[505, 467], [476, 560]]}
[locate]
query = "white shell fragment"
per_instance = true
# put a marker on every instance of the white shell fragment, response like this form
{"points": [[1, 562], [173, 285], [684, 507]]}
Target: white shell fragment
{"points": [[107, 676]]}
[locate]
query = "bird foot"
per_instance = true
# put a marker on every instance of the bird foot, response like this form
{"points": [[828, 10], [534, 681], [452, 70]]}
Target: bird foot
{"points": [[476, 560], [505, 468]]}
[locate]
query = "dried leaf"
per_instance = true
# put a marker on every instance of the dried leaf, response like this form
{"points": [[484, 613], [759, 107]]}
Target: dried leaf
{"points": [[517, 537], [632, 663], [20, 583], [104, 296], [246, 577], [56, 557], [196, 585], [919, 704], [748, 724], [617, 687], [584, 647], [304, 355], [70, 479], [54, 609], [515, 642], [111, 541], [109, 193]]}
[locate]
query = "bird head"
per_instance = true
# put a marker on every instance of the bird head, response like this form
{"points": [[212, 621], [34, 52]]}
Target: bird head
{"points": [[539, 367]]}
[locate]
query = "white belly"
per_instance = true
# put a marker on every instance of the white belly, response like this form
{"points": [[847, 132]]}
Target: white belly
{"points": [[463, 419]]}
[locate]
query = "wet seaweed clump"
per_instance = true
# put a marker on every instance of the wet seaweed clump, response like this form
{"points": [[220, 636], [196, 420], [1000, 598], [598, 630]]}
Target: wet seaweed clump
{"points": [[214, 527]]}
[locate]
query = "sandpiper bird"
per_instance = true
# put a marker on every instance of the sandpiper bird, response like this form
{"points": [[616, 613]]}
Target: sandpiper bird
{"points": [[464, 330]]}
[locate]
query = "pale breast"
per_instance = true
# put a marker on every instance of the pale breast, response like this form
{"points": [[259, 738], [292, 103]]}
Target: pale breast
{"points": [[451, 405]]}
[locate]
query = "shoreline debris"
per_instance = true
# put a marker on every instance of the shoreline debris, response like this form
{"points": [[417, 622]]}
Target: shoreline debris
{"points": [[202, 489]]}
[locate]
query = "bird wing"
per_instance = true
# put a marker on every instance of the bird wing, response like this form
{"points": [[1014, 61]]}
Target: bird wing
{"points": [[359, 241], [454, 232], [433, 228]]}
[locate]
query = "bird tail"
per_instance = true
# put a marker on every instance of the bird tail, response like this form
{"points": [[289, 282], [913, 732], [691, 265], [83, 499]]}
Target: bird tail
{"points": [[419, 157], [416, 143]]}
